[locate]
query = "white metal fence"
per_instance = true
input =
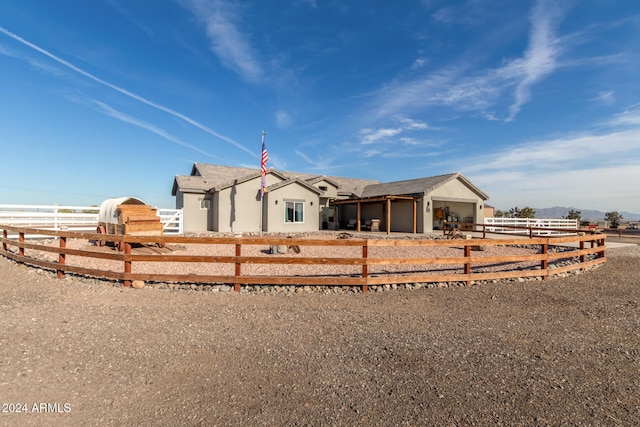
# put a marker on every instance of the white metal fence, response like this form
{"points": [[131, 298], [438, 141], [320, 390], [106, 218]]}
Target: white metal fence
{"points": [[535, 225], [74, 218]]}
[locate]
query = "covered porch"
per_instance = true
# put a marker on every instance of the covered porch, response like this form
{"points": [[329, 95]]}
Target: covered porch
{"points": [[378, 205]]}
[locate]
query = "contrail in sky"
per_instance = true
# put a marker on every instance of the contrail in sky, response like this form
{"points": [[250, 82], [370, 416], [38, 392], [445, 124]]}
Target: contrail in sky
{"points": [[148, 126], [127, 93]]}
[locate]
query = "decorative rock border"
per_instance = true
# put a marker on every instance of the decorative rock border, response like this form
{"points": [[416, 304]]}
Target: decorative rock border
{"points": [[302, 289]]}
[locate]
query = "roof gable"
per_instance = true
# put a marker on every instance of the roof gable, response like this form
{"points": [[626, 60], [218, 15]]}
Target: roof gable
{"points": [[291, 181], [321, 178], [256, 174], [418, 186], [189, 184]]}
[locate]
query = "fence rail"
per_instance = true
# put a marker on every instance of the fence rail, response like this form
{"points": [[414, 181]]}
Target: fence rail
{"points": [[540, 227], [73, 218], [466, 267]]}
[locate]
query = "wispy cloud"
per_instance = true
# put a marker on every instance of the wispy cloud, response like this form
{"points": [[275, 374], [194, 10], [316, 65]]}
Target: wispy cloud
{"points": [[326, 162], [540, 59], [459, 87], [560, 153], [590, 169], [110, 111], [370, 136], [629, 117], [222, 21], [130, 17], [605, 97], [420, 62], [127, 92], [283, 119]]}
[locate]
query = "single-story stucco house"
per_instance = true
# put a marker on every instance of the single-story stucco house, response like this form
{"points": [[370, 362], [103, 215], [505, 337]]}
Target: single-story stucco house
{"points": [[227, 199]]}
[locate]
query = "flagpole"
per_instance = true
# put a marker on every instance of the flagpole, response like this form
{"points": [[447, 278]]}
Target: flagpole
{"points": [[263, 179]]}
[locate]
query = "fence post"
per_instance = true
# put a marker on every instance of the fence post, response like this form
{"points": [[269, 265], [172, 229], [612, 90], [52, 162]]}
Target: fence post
{"points": [[467, 264], [127, 263], [544, 264], [5, 235], [484, 231], [236, 285], [365, 269], [21, 240], [601, 244], [62, 256]]}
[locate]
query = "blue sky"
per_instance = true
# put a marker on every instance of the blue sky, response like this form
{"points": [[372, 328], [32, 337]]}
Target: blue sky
{"points": [[536, 102]]}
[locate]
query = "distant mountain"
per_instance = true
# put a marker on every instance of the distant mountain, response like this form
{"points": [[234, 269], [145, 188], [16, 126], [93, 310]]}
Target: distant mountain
{"points": [[586, 214]]}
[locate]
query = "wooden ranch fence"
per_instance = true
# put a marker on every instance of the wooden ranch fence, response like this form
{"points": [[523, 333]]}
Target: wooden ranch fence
{"points": [[584, 250]]}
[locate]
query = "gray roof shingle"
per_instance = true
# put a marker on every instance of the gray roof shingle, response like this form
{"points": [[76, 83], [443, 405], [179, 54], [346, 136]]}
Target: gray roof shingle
{"points": [[418, 186], [205, 177], [220, 176]]}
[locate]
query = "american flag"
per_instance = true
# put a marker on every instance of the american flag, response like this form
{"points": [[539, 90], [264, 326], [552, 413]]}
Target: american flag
{"points": [[263, 166]]}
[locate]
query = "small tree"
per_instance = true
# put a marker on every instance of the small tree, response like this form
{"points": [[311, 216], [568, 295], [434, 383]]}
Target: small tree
{"points": [[573, 214], [614, 218], [525, 212], [499, 214]]}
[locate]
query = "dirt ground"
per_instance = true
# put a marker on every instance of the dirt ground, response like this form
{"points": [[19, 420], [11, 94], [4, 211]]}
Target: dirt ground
{"points": [[564, 352]]}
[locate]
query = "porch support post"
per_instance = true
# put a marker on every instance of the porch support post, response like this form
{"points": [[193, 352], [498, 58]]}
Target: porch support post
{"points": [[415, 211], [388, 216], [336, 217], [358, 216]]}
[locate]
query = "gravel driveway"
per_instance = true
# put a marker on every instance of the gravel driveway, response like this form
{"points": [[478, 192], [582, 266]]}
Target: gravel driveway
{"points": [[562, 351]]}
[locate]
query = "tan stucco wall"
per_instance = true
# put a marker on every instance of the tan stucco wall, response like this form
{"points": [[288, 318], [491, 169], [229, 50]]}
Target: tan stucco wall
{"points": [[460, 199], [275, 212], [331, 192], [402, 216], [195, 218], [239, 207], [179, 199]]}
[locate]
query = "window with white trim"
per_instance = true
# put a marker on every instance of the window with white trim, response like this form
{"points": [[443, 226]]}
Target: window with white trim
{"points": [[293, 211]]}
